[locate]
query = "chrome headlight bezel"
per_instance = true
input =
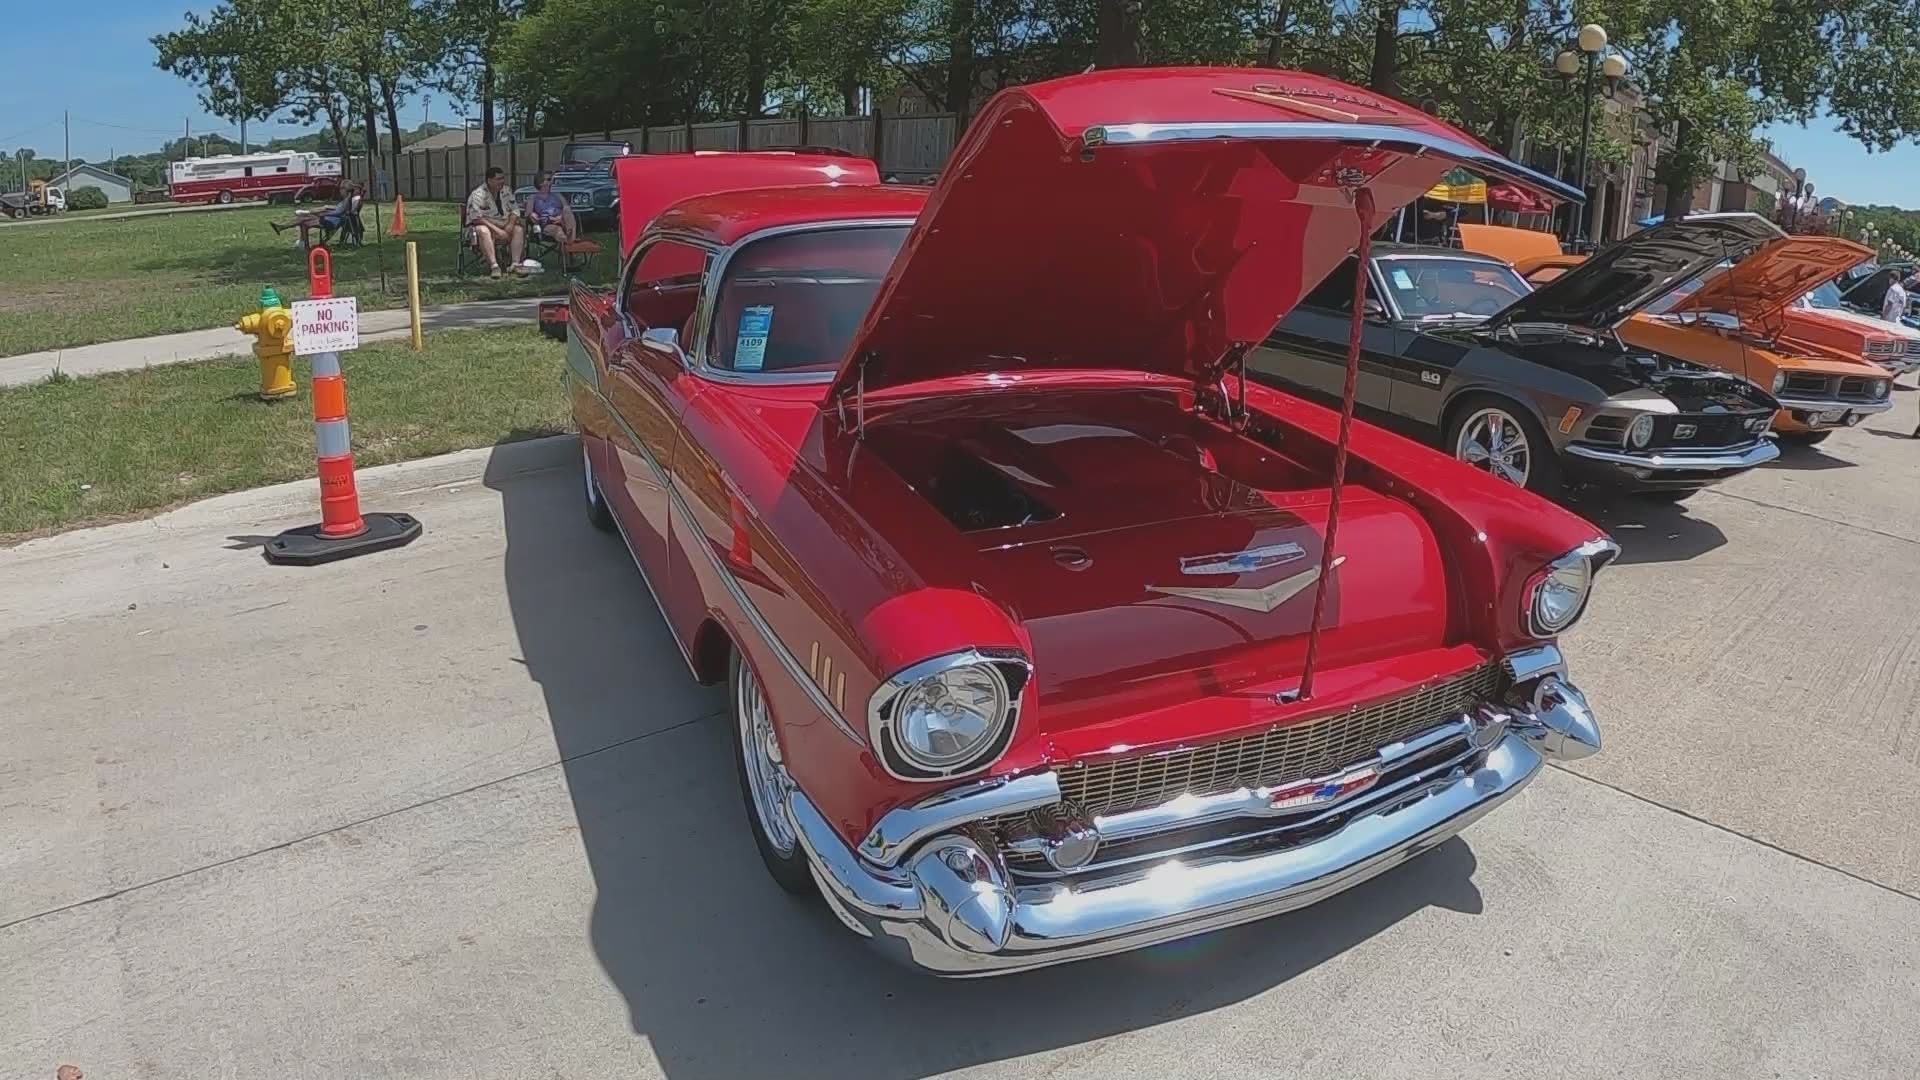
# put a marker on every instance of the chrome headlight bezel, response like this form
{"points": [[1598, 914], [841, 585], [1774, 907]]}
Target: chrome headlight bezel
{"points": [[1779, 382], [1639, 434], [1574, 570], [1012, 670], [1881, 388]]}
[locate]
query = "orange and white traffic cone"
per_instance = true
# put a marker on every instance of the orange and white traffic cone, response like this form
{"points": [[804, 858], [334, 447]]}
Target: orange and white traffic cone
{"points": [[398, 226], [343, 532]]}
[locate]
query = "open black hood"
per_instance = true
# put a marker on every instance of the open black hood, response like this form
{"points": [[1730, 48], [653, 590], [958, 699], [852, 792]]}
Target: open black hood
{"points": [[1607, 289]]}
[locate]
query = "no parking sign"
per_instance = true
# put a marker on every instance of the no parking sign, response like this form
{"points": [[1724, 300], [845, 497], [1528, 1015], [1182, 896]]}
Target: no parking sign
{"points": [[327, 325]]}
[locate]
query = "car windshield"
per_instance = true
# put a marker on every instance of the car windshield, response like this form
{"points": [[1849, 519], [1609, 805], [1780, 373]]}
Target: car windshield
{"points": [[1685, 289], [1430, 286], [792, 303], [593, 153], [1826, 298]]}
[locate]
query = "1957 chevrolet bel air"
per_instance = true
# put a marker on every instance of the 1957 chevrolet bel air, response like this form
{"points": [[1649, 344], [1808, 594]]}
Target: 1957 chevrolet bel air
{"points": [[1048, 635]]}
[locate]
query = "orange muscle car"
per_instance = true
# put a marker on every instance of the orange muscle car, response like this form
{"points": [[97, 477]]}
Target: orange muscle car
{"points": [[1743, 319]]}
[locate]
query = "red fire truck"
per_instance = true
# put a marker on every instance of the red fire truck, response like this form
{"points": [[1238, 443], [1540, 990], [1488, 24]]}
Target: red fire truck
{"points": [[285, 175]]}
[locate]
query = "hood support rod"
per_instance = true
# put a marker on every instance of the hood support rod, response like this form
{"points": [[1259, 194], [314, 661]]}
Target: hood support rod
{"points": [[1363, 211]]}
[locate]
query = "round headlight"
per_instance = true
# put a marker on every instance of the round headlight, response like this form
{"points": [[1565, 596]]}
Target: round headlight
{"points": [[1640, 432], [1561, 595], [1779, 382], [1880, 388], [944, 717]]}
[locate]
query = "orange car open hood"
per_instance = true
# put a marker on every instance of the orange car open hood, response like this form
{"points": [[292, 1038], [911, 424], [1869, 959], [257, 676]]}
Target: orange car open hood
{"points": [[1158, 220], [1758, 288]]}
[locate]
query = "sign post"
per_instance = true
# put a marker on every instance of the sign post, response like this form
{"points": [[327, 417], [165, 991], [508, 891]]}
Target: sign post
{"points": [[324, 327]]}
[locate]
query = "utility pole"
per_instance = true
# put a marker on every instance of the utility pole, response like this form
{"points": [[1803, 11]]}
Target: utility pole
{"points": [[186, 142], [66, 127], [243, 135]]}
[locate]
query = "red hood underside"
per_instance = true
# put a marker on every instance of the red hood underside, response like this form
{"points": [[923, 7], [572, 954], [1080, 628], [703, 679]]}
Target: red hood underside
{"points": [[1149, 220]]}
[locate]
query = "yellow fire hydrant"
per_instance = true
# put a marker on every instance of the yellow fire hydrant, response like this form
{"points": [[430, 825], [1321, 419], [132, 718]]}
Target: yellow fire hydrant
{"points": [[270, 327]]}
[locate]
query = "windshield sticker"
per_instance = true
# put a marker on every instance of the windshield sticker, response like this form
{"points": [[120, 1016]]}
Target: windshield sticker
{"points": [[750, 347], [1401, 279]]}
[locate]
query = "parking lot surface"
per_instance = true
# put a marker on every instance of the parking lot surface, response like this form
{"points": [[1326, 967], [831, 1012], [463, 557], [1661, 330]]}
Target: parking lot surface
{"points": [[457, 811]]}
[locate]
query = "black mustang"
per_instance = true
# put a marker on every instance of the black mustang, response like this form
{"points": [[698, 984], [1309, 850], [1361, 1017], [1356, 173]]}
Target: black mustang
{"points": [[1533, 386]]}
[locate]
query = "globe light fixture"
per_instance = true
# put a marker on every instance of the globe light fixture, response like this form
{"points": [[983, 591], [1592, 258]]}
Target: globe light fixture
{"points": [[1593, 38], [1614, 66], [1567, 63]]}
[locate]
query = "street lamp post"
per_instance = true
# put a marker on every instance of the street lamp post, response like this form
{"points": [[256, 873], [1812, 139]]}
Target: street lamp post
{"points": [[1592, 41]]}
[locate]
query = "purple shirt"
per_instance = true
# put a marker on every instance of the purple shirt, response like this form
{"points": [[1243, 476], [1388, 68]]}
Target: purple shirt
{"points": [[546, 206]]}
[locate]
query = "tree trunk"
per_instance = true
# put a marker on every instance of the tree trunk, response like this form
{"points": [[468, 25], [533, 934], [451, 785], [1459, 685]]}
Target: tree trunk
{"points": [[1671, 171], [1118, 44], [960, 59], [849, 95], [1384, 77], [486, 99], [1282, 12], [373, 139], [393, 114]]}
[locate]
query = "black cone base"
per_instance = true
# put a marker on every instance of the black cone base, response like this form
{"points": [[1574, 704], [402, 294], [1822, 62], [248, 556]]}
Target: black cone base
{"points": [[305, 546]]}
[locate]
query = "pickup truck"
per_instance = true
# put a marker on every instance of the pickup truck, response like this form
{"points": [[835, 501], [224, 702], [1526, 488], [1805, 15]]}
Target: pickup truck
{"points": [[46, 200]]}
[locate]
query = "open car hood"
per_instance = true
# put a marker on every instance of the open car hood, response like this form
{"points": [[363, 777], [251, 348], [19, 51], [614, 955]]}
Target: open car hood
{"points": [[1153, 220], [1870, 291], [1758, 289], [1607, 289]]}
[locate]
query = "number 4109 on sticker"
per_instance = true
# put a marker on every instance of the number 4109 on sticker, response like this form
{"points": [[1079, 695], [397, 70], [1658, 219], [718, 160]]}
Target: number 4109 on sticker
{"points": [[750, 345]]}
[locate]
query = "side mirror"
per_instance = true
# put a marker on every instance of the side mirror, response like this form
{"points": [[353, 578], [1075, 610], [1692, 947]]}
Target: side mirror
{"points": [[664, 340], [1373, 309]]}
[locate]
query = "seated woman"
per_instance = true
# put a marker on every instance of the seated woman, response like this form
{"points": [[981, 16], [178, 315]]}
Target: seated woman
{"points": [[328, 220], [549, 214]]}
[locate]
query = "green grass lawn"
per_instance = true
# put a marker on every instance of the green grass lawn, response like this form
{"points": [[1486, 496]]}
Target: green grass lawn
{"points": [[80, 282], [75, 451]]}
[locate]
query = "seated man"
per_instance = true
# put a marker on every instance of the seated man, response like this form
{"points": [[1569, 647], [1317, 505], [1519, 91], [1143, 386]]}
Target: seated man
{"points": [[493, 217], [327, 220], [550, 214]]}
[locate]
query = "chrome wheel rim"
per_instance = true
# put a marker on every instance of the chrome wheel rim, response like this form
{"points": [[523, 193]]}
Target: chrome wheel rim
{"points": [[586, 470], [760, 748], [1494, 442]]}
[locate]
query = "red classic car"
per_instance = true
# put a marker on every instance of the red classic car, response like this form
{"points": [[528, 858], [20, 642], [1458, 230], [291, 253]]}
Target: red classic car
{"points": [[1040, 638]]}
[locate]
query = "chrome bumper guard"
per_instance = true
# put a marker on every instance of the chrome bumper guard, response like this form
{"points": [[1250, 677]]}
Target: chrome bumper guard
{"points": [[1759, 453], [1814, 405], [932, 890]]}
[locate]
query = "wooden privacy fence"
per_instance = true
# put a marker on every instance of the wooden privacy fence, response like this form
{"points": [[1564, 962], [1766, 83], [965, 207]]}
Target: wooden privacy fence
{"points": [[906, 148]]}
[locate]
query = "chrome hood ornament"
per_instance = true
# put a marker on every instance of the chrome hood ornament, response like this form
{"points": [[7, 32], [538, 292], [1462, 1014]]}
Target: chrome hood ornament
{"points": [[1262, 600]]}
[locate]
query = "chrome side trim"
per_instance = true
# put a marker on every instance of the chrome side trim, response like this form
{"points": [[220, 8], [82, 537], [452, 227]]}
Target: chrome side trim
{"points": [[1836, 405], [795, 669], [1399, 138], [1677, 460], [903, 828]]}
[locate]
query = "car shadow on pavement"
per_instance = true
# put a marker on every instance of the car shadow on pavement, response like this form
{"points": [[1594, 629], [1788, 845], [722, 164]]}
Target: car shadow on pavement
{"points": [[1649, 531], [1801, 458], [726, 976]]}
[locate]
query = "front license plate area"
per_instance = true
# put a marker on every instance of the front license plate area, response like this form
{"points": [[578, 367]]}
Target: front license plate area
{"points": [[1831, 416]]}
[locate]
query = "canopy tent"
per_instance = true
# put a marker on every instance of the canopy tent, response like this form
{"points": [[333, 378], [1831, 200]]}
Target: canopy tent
{"points": [[1458, 186]]}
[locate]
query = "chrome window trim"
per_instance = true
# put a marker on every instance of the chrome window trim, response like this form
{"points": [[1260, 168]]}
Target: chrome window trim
{"points": [[901, 680], [710, 298], [1405, 139], [640, 248]]}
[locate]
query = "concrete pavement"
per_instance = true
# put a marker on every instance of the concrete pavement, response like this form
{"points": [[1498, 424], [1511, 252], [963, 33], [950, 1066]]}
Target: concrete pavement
{"points": [[457, 811], [136, 353]]}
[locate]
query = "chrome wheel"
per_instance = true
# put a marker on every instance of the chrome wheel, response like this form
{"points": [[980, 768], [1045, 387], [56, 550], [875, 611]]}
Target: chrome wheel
{"points": [[760, 753], [1493, 441], [586, 471]]}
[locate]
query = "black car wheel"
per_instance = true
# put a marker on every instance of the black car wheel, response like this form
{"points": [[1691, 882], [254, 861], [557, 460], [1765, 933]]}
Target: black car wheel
{"points": [[763, 782], [597, 511], [1805, 438], [1502, 439]]}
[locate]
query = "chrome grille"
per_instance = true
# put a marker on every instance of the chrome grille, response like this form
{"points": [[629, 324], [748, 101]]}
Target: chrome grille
{"points": [[1913, 348], [1297, 752]]}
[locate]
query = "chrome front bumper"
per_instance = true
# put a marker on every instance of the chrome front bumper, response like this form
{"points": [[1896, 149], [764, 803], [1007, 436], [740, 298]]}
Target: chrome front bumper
{"points": [[1656, 461], [945, 902]]}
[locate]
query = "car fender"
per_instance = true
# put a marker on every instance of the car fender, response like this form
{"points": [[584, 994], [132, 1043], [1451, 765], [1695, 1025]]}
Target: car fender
{"points": [[1545, 393]]}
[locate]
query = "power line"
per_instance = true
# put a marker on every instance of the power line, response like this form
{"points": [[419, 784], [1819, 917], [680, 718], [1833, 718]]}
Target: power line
{"points": [[124, 127], [27, 132]]}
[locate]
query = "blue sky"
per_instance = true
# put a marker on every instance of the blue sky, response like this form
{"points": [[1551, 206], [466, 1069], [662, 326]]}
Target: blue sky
{"points": [[93, 58], [1837, 165]]}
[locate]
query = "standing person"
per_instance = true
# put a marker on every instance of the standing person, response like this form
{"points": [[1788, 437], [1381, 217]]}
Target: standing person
{"points": [[1893, 307], [550, 214], [494, 217]]}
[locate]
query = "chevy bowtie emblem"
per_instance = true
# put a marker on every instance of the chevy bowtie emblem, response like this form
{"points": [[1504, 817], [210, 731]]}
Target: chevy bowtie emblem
{"points": [[1327, 789], [1262, 600]]}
